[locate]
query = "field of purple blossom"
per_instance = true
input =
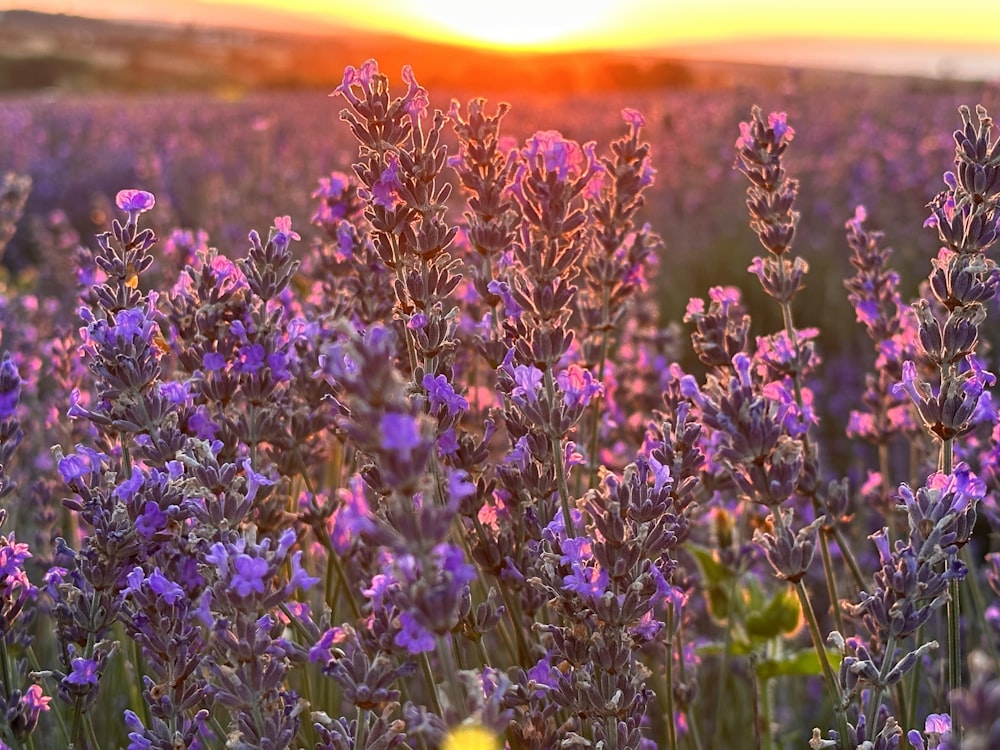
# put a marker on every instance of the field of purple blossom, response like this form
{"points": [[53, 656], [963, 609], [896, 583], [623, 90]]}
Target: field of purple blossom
{"points": [[507, 433]]}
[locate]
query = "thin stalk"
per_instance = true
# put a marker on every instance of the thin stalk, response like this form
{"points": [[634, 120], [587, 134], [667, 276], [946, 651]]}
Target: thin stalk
{"points": [[448, 667], [5, 665], [425, 665], [361, 737], [755, 703], [693, 733], [484, 658], [819, 505], [871, 716], [914, 683], [595, 405], [220, 731], [954, 656], [849, 558], [816, 634], [91, 734], [671, 725], [902, 708], [504, 636], [342, 577], [824, 661], [134, 684], [945, 465], [723, 666], [978, 603], [556, 447], [514, 611], [831, 584]]}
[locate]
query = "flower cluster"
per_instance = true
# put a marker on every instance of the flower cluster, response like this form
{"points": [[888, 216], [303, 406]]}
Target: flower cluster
{"points": [[401, 480]]}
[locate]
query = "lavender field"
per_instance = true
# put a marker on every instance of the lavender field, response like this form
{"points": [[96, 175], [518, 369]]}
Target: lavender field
{"points": [[398, 420]]}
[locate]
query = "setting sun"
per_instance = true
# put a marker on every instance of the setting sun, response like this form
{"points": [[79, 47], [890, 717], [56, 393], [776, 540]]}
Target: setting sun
{"points": [[515, 23]]}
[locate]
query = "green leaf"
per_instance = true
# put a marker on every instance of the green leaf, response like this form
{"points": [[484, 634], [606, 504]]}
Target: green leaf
{"points": [[718, 581], [801, 663], [782, 615]]}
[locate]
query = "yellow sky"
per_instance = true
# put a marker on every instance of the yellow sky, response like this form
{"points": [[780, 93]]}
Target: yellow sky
{"points": [[643, 23], [569, 24]]}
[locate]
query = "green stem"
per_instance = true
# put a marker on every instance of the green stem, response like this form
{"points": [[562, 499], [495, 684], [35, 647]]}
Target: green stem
{"points": [[724, 664], [849, 558], [913, 687], [556, 447], [671, 723], [824, 660], [831, 583], [448, 667], [137, 662], [514, 612], [361, 738], [425, 665], [91, 734], [338, 568], [871, 715], [979, 604], [954, 656], [755, 703]]}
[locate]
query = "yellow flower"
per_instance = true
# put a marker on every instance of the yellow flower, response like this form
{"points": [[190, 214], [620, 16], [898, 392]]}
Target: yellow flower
{"points": [[470, 737]]}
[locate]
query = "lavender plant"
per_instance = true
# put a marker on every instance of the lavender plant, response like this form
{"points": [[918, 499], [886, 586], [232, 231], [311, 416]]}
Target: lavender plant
{"points": [[432, 482]]}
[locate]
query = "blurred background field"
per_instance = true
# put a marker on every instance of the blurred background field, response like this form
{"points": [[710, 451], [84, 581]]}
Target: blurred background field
{"points": [[230, 128]]}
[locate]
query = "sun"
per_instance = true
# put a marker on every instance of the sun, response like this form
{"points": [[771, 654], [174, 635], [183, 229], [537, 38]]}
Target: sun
{"points": [[548, 24]]}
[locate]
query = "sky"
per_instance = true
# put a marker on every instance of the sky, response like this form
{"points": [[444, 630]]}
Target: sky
{"points": [[911, 28]]}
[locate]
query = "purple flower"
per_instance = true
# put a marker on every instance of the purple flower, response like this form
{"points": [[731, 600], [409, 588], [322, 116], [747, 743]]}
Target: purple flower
{"points": [[84, 672], [10, 387], [299, 578], [320, 652], [938, 724], [575, 551], [78, 465], [447, 443], [557, 154], [633, 118], [542, 675], [452, 561], [213, 361], [134, 202], [778, 122], [151, 520], [661, 474], [380, 586], [414, 637], [442, 395], [578, 386], [400, 432], [527, 380], [169, 591], [282, 234], [460, 486], [12, 557], [255, 480], [248, 574], [352, 518], [385, 191], [250, 359], [502, 289], [589, 582]]}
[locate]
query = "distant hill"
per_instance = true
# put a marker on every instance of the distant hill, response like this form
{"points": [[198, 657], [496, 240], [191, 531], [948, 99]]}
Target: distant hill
{"points": [[40, 50]]}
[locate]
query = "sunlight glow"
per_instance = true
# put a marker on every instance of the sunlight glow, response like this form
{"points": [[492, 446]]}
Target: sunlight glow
{"points": [[516, 23]]}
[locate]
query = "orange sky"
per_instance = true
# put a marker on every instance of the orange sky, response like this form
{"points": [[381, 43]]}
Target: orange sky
{"points": [[568, 24]]}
